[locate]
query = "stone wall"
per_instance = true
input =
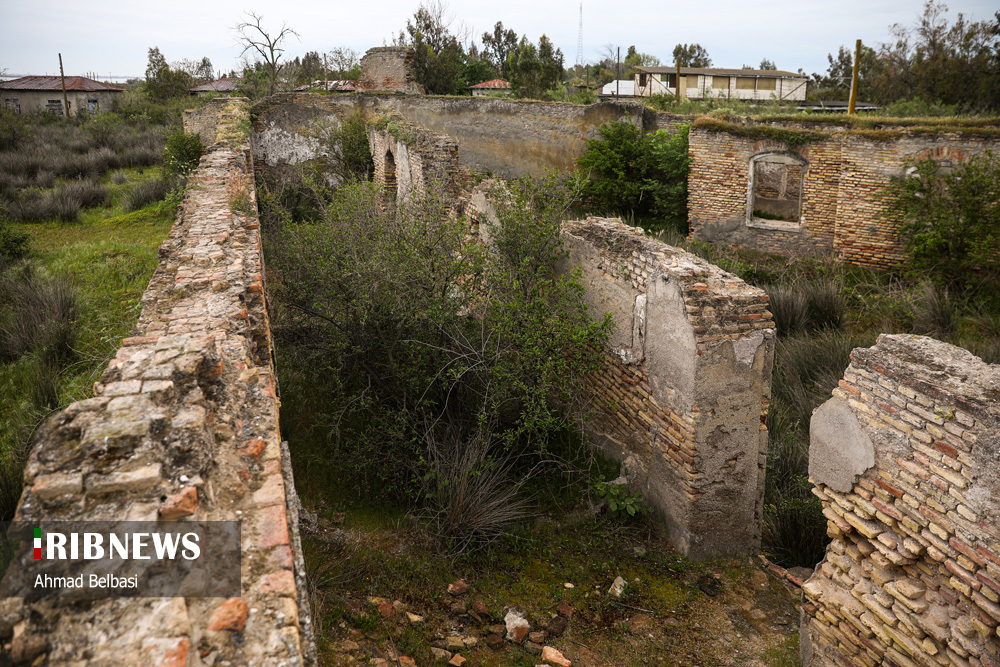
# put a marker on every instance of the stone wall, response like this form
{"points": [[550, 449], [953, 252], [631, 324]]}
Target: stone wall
{"points": [[906, 460], [183, 425], [389, 69], [416, 159], [684, 389], [842, 212], [506, 137]]}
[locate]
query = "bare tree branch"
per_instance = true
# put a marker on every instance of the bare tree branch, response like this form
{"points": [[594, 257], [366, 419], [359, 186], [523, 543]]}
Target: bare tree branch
{"points": [[256, 40]]}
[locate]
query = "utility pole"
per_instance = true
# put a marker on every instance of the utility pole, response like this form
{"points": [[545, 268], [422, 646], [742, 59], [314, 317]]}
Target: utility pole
{"points": [[618, 73], [854, 78], [326, 75], [62, 77]]}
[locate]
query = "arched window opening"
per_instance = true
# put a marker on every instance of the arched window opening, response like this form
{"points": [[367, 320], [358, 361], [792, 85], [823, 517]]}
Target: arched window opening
{"points": [[390, 173], [775, 193]]}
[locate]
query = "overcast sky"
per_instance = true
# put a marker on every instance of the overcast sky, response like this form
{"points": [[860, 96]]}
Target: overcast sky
{"points": [[112, 37]]}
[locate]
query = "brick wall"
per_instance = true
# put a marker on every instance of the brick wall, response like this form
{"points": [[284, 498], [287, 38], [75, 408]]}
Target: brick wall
{"points": [[842, 211], [906, 460], [685, 386], [183, 423], [389, 69], [420, 159]]}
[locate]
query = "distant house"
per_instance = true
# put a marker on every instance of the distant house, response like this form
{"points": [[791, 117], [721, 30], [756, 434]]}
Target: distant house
{"points": [[619, 88], [45, 93], [225, 86], [491, 87], [698, 83]]}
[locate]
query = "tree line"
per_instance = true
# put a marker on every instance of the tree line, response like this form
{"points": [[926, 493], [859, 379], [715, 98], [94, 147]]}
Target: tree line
{"points": [[933, 61]]}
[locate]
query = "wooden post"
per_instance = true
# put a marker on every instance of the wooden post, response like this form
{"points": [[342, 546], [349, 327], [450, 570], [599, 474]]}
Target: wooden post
{"points": [[677, 84], [62, 77], [854, 78]]}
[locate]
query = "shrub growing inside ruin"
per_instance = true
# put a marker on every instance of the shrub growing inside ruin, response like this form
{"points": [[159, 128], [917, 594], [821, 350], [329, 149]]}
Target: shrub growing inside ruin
{"points": [[951, 220], [438, 369], [640, 174]]}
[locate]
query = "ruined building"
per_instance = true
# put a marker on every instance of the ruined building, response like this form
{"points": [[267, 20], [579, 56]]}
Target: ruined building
{"points": [[184, 423]]}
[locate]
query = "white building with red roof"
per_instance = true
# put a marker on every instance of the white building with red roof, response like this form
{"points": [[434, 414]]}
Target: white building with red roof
{"points": [[45, 93], [491, 87]]}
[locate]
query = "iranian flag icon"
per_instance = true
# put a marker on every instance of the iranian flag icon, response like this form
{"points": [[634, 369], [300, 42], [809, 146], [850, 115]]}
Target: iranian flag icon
{"points": [[38, 543]]}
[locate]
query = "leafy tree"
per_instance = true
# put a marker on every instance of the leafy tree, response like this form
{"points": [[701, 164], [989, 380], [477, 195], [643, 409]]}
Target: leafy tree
{"points": [[438, 57], [950, 222], [497, 47], [476, 69], [344, 63], [155, 63], [836, 83], [162, 82], [956, 64], [534, 69], [766, 64], [635, 59], [262, 44], [691, 55], [640, 173]]}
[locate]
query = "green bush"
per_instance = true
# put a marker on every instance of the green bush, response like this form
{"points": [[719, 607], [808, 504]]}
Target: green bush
{"points": [[424, 348], [951, 221], [349, 143], [14, 244], [640, 174], [182, 153]]}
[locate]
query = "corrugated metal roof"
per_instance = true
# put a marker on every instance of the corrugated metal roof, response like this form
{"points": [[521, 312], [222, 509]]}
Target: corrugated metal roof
{"points": [[493, 84], [223, 85], [713, 71], [75, 83]]}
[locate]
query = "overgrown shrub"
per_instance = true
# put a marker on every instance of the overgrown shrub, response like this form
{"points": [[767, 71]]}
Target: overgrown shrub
{"points": [[428, 348], [951, 221], [636, 173], [182, 153], [348, 144]]}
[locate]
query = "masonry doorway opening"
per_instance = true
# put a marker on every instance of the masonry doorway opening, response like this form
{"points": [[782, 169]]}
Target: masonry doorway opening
{"points": [[775, 195], [390, 173]]}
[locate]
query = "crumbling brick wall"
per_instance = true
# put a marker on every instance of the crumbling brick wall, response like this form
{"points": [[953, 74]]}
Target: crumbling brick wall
{"points": [[389, 69], [684, 389], [411, 159], [842, 209], [906, 460], [183, 423]]}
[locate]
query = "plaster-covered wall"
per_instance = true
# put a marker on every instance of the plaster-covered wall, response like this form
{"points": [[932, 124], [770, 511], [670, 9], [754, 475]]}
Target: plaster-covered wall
{"points": [[685, 387], [506, 137]]}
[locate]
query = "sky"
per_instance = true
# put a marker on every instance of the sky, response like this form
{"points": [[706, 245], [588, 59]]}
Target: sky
{"points": [[112, 37]]}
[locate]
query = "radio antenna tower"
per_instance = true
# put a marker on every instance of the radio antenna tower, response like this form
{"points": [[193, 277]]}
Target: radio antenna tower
{"points": [[579, 39]]}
